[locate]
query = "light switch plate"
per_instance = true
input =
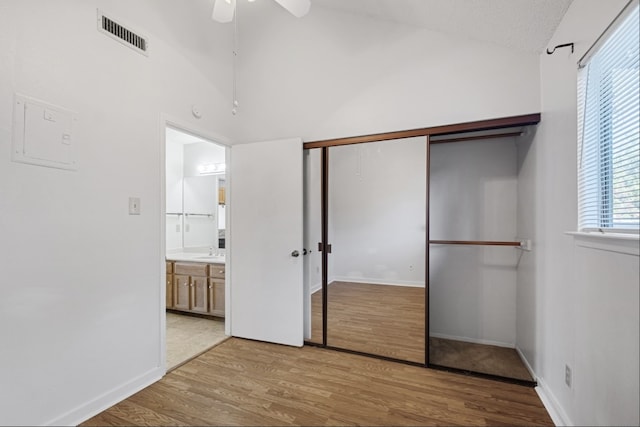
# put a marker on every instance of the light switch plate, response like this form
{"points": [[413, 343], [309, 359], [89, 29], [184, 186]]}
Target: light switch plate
{"points": [[134, 205]]}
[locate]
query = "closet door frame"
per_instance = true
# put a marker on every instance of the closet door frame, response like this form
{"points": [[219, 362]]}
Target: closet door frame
{"points": [[445, 134]]}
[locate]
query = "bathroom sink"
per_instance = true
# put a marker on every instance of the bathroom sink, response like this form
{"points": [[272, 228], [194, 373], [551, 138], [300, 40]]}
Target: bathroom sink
{"points": [[213, 258]]}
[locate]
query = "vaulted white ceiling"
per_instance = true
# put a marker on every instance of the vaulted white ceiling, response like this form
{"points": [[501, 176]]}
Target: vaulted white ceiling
{"points": [[525, 25]]}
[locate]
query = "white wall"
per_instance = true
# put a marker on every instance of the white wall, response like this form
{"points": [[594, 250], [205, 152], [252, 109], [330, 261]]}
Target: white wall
{"points": [[377, 212], [82, 280], [586, 300], [473, 196], [174, 160], [334, 75]]}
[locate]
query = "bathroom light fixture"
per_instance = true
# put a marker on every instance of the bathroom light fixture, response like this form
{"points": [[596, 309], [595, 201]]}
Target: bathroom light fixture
{"points": [[211, 168]]}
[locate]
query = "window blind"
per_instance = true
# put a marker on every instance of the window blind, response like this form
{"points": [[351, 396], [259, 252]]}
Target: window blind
{"points": [[609, 130]]}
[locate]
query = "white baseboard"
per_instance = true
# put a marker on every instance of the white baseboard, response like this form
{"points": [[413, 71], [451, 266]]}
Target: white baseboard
{"points": [[108, 399], [526, 363], [315, 288], [409, 283], [557, 414], [472, 340]]}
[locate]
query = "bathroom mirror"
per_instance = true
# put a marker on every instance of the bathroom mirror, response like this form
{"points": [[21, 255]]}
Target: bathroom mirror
{"points": [[195, 193]]}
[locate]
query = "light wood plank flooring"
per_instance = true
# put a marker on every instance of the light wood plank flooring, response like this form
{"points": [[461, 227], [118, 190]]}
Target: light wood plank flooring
{"points": [[377, 319], [241, 382]]}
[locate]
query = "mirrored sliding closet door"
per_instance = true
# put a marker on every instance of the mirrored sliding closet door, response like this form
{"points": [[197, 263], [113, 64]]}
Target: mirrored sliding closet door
{"points": [[376, 265]]}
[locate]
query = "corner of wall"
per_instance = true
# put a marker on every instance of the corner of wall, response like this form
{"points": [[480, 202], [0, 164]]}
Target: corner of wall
{"points": [[552, 405], [89, 409]]}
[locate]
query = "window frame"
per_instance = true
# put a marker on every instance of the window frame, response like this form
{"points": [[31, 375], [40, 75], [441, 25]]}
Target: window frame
{"points": [[595, 188]]}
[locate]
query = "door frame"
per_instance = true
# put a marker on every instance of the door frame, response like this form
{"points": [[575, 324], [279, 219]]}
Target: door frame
{"points": [[165, 121]]}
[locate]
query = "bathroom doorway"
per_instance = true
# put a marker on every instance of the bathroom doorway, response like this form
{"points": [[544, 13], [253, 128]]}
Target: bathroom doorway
{"points": [[195, 244]]}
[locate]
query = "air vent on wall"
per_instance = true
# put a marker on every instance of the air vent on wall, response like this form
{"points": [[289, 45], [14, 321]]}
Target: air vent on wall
{"points": [[122, 34]]}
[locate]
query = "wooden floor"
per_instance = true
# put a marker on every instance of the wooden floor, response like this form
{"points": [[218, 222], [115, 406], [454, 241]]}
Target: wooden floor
{"points": [[389, 321], [243, 382], [377, 319]]}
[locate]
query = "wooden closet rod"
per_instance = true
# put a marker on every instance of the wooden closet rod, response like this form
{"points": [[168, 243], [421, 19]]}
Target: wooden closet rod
{"points": [[474, 242]]}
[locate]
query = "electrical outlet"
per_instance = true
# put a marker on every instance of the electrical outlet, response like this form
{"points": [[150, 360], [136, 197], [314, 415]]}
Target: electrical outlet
{"points": [[567, 375]]}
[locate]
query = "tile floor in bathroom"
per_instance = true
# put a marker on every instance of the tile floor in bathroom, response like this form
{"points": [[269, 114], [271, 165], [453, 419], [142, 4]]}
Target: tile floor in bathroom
{"points": [[188, 336]]}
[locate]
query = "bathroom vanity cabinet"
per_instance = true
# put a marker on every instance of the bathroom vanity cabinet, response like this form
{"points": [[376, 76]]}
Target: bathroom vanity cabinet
{"points": [[196, 287]]}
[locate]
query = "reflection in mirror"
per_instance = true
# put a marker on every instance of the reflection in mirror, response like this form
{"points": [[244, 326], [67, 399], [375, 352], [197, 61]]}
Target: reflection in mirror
{"points": [[222, 211], [377, 232], [312, 235], [195, 170], [200, 226]]}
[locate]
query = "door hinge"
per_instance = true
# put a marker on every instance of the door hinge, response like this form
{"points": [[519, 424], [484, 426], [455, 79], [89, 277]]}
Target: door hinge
{"points": [[321, 247]]}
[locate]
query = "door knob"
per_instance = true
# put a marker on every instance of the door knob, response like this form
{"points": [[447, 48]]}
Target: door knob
{"points": [[295, 254]]}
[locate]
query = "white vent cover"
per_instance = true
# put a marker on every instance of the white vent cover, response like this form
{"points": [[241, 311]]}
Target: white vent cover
{"points": [[124, 35]]}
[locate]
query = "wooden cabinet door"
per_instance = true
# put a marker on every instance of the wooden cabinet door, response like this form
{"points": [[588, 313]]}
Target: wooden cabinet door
{"points": [[199, 294], [216, 297], [181, 291], [169, 290]]}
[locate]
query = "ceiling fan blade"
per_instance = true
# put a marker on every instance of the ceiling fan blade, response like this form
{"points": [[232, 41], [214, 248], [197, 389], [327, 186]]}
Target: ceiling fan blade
{"points": [[298, 8], [223, 10]]}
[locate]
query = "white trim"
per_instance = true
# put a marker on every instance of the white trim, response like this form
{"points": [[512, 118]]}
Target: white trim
{"points": [[162, 177], [551, 404], [472, 340], [87, 410], [228, 206], [409, 283], [613, 242], [315, 288]]}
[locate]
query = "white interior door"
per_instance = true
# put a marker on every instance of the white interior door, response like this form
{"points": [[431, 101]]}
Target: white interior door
{"points": [[266, 281]]}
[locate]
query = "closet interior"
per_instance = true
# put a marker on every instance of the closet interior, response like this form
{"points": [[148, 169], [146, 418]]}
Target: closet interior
{"points": [[413, 248]]}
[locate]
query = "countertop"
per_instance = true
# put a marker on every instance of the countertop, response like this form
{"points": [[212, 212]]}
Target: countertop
{"points": [[196, 257]]}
